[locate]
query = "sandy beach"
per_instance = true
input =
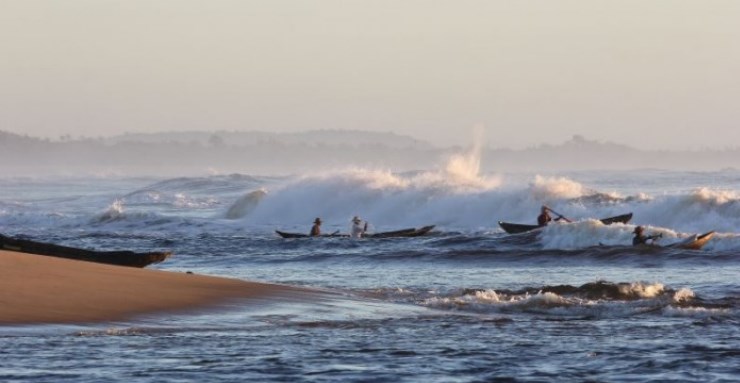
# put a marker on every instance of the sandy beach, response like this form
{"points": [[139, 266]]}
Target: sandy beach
{"points": [[40, 289]]}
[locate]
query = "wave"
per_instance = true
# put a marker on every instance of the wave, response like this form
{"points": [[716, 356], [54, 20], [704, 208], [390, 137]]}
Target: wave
{"points": [[206, 185], [455, 198], [246, 204], [595, 300], [402, 200], [117, 215]]}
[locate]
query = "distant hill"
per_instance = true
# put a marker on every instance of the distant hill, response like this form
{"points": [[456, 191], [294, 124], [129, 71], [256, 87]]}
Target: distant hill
{"points": [[351, 138], [579, 153], [259, 153]]}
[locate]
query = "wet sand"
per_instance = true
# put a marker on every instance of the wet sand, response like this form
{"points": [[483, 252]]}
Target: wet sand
{"points": [[38, 289]]}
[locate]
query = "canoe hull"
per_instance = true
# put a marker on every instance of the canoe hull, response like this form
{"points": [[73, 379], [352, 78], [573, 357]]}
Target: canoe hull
{"points": [[404, 233], [118, 258], [695, 242], [301, 235], [516, 228]]}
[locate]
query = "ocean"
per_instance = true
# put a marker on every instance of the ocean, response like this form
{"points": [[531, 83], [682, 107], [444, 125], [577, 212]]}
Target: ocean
{"points": [[466, 303]]}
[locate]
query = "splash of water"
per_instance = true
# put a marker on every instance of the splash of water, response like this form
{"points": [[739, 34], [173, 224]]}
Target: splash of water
{"points": [[549, 188], [114, 212], [466, 166]]}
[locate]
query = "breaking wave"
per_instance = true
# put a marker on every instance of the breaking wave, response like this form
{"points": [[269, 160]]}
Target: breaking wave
{"points": [[595, 300]]}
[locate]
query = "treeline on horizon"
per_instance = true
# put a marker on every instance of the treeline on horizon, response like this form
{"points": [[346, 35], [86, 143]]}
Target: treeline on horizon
{"points": [[262, 153]]}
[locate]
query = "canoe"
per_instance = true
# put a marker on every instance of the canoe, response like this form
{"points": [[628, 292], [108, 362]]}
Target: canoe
{"points": [[695, 242], [301, 235], [403, 233], [119, 258], [515, 228]]}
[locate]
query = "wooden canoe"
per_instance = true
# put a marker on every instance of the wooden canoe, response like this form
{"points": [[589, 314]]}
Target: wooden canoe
{"points": [[119, 258], [695, 242], [403, 233], [515, 228], [285, 234]]}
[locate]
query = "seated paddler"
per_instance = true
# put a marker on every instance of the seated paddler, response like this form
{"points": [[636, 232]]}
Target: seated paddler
{"points": [[316, 228], [640, 238], [544, 218]]}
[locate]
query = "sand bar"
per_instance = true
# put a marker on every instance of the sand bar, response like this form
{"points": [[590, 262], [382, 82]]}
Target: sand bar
{"points": [[41, 289]]}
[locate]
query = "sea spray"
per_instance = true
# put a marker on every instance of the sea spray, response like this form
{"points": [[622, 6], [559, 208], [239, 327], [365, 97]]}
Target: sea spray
{"points": [[556, 188], [114, 212], [384, 198]]}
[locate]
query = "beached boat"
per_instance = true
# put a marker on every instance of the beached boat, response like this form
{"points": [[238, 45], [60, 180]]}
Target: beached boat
{"points": [[515, 228], [403, 233], [120, 258]]}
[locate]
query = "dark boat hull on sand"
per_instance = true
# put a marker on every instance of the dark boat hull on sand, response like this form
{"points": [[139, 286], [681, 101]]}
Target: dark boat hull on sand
{"points": [[404, 233], [515, 228], [119, 258]]}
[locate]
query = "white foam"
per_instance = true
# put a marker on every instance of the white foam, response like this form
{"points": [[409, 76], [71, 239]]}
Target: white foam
{"points": [[696, 312], [556, 188], [642, 290], [683, 295], [114, 212]]}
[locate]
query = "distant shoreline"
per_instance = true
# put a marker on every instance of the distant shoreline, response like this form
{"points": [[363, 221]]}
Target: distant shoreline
{"points": [[259, 153]]}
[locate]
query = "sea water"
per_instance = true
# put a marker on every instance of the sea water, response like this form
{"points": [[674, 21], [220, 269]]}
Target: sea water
{"points": [[467, 303]]}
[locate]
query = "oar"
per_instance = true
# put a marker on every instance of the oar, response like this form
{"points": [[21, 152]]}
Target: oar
{"points": [[558, 214]]}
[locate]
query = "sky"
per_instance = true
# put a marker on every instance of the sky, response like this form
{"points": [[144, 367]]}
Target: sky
{"points": [[650, 74]]}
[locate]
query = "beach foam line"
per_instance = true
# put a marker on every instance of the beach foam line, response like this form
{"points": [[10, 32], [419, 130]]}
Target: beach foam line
{"points": [[37, 289]]}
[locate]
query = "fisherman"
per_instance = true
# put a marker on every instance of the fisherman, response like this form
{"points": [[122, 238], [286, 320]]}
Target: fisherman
{"points": [[544, 218], [641, 239], [316, 228], [357, 228]]}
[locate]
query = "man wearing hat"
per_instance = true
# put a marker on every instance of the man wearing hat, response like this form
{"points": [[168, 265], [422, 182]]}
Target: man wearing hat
{"points": [[640, 238], [316, 228]]}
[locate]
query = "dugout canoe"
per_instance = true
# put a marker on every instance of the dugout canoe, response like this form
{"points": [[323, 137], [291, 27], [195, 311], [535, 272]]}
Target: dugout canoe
{"points": [[118, 258], [515, 228], [403, 233], [694, 242]]}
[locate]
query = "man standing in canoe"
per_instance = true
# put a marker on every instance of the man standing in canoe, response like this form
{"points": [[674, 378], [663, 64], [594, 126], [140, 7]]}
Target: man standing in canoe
{"points": [[357, 228], [316, 228]]}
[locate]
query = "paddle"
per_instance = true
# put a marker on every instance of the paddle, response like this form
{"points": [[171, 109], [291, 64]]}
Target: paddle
{"points": [[560, 216], [654, 237]]}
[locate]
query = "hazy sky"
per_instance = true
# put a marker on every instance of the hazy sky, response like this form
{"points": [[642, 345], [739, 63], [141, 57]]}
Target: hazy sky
{"points": [[652, 74]]}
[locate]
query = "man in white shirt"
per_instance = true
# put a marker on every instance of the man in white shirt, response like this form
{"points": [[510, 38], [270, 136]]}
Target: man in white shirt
{"points": [[357, 228]]}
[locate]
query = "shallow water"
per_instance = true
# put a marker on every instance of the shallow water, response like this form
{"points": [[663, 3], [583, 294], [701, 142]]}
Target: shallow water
{"points": [[467, 303]]}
